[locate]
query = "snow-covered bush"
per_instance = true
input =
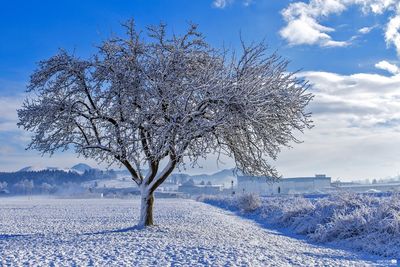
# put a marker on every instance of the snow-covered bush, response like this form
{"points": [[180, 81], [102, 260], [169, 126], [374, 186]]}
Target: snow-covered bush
{"points": [[248, 202], [225, 202], [243, 203], [363, 222], [372, 224], [289, 212]]}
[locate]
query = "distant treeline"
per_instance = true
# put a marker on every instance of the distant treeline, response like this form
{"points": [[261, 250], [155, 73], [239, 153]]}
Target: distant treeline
{"points": [[48, 181], [55, 177]]}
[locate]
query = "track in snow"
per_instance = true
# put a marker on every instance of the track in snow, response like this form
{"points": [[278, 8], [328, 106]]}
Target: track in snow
{"points": [[99, 232]]}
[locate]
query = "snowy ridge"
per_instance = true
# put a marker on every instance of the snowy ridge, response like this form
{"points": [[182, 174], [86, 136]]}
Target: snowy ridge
{"points": [[39, 168], [79, 168], [36, 168]]}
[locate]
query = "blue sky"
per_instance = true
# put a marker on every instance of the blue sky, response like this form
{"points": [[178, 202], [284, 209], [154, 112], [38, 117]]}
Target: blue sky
{"points": [[347, 49]]}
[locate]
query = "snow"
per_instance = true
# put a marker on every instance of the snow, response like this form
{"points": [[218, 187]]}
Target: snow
{"points": [[100, 232], [360, 222], [81, 168]]}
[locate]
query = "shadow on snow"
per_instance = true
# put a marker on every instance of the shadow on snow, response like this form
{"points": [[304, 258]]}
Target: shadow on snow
{"points": [[6, 236], [123, 230]]}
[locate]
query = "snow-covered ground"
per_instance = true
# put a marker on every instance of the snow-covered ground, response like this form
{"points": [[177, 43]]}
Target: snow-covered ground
{"points": [[369, 223], [99, 232]]}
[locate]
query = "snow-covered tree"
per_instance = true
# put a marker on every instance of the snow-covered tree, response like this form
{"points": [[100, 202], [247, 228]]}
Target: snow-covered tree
{"points": [[153, 104], [46, 188], [24, 186], [3, 185]]}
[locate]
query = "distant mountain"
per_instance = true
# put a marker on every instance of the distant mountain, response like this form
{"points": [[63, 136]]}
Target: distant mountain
{"points": [[37, 169], [81, 167], [224, 177], [78, 168], [223, 174]]}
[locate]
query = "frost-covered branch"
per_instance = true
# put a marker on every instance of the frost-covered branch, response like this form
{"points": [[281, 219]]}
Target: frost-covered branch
{"points": [[143, 102]]}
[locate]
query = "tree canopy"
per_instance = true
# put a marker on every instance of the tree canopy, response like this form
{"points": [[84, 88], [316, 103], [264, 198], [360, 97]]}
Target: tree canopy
{"points": [[162, 98]]}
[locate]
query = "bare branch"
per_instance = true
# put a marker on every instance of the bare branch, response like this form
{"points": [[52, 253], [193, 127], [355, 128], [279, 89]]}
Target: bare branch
{"points": [[141, 102]]}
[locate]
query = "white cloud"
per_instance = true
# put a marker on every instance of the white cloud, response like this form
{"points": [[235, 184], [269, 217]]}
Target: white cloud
{"points": [[332, 43], [392, 35], [306, 30], [304, 21], [6, 150], [247, 2], [366, 30], [224, 3], [357, 128], [384, 65], [365, 99], [221, 3], [378, 6], [8, 113]]}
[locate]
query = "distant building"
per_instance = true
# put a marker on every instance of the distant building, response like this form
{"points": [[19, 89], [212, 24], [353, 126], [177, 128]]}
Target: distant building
{"points": [[319, 183], [192, 189], [168, 187], [368, 188]]}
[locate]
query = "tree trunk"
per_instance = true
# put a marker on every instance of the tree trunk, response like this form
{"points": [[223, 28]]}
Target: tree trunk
{"points": [[146, 209]]}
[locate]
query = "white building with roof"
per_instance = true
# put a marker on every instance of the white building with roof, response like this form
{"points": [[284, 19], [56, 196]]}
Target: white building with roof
{"points": [[319, 183]]}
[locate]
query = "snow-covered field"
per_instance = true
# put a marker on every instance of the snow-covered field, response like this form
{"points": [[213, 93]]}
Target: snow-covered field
{"points": [[99, 232]]}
